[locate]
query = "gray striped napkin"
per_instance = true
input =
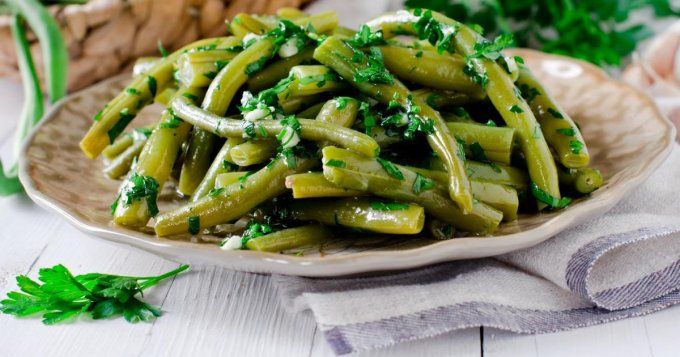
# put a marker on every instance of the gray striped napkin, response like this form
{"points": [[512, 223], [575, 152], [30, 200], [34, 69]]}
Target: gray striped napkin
{"points": [[625, 263]]}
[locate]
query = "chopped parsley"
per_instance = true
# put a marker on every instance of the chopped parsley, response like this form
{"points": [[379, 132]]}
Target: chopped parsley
{"points": [[125, 117], [548, 199], [438, 34], [491, 50], [190, 96], [161, 49], [528, 92], [567, 131], [491, 123], [132, 91], [422, 183], [153, 85], [375, 71], [388, 206], [256, 66], [194, 224], [242, 180], [365, 38], [215, 192], [341, 102], [556, 114], [254, 230], [172, 122], [576, 146], [336, 163], [138, 187], [391, 169], [369, 119], [516, 109], [478, 77], [419, 54]]}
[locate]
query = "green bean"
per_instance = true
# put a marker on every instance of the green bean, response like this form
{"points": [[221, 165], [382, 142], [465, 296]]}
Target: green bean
{"points": [[341, 111], [253, 152], [293, 104], [380, 135], [278, 70], [439, 99], [52, 45], [343, 32], [120, 165], [118, 146], [290, 13], [455, 118], [234, 201], [197, 160], [337, 55], [229, 178], [560, 131], [313, 79], [365, 174], [33, 106], [143, 65], [197, 69], [362, 213], [431, 69], [115, 116], [500, 197], [314, 184], [156, 161], [311, 111], [221, 164], [291, 238], [440, 230], [263, 129], [500, 89], [496, 142], [584, 180], [243, 24], [498, 173], [165, 95]]}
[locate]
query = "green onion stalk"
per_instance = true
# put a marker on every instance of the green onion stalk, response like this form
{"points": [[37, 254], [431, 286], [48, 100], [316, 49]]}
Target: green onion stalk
{"points": [[33, 14]]}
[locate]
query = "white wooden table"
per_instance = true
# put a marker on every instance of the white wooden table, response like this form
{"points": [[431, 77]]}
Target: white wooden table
{"points": [[211, 311]]}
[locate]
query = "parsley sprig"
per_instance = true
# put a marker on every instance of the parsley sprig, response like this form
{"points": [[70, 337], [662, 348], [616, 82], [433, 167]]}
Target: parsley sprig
{"points": [[62, 295], [597, 31]]}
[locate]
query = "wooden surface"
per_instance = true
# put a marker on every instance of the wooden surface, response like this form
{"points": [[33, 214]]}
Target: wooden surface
{"points": [[213, 311]]}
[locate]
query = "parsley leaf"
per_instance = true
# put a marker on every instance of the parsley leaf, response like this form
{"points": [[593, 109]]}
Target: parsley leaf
{"points": [[391, 169], [567, 131], [138, 187], [161, 49], [388, 206], [62, 295], [555, 113], [375, 71], [516, 109], [548, 199], [422, 183], [336, 163], [194, 224], [365, 38], [576, 146]]}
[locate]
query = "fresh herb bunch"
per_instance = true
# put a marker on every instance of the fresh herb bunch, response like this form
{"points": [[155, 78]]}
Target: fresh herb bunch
{"points": [[592, 30], [33, 14], [62, 295]]}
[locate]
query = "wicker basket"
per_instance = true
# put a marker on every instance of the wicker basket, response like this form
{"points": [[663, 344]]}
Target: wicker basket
{"points": [[104, 36]]}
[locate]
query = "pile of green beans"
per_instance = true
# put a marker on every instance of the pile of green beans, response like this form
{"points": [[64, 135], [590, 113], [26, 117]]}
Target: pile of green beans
{"points": [[310, 131]]}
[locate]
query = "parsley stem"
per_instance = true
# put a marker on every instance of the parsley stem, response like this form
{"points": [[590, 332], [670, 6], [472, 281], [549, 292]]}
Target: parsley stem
{"points": [[153, 280]]}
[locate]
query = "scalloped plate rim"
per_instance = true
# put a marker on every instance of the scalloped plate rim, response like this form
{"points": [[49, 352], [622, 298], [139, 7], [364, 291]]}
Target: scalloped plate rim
{"points": [[361, 262]]}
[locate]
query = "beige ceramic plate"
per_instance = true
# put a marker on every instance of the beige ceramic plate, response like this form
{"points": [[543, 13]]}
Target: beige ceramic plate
{"points": [[626, 135]]}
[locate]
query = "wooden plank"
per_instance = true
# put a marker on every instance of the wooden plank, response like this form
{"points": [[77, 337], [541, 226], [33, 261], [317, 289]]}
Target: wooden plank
{"points": [[619, 338], [663, 331], [216, 311], [462, 343]]}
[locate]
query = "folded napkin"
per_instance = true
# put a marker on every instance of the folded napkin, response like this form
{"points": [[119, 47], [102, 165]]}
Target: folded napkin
{"points": [[625, 263]]}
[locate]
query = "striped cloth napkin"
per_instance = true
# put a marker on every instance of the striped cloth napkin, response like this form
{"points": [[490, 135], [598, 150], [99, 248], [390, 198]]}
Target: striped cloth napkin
{"points": [[625, 263]]}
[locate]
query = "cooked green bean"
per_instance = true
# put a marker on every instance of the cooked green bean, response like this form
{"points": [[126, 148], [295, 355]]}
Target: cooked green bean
{"points": [[439, 99], [221, 164], [311, 111], [197, 69], [234, 201], [498, 173], [429, 68], [143, 65], [278, 70], [244, 24], [291, 238], [337, 55], [362, 213], [121, 164], [293, 104], [164, 96], [197, 160], [314, 79], [314, 185], [341, 111], [228, 178], [155, 162], [383, 139], [494, 142], [253, 152], [584, 180], [117, 114], [500, 89], [118, 146], [290, 13], [364, 174], [263, 129], [560, 131]]}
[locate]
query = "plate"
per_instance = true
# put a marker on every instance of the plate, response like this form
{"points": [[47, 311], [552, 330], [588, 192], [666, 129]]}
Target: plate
{"points": [[626, 135]]}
